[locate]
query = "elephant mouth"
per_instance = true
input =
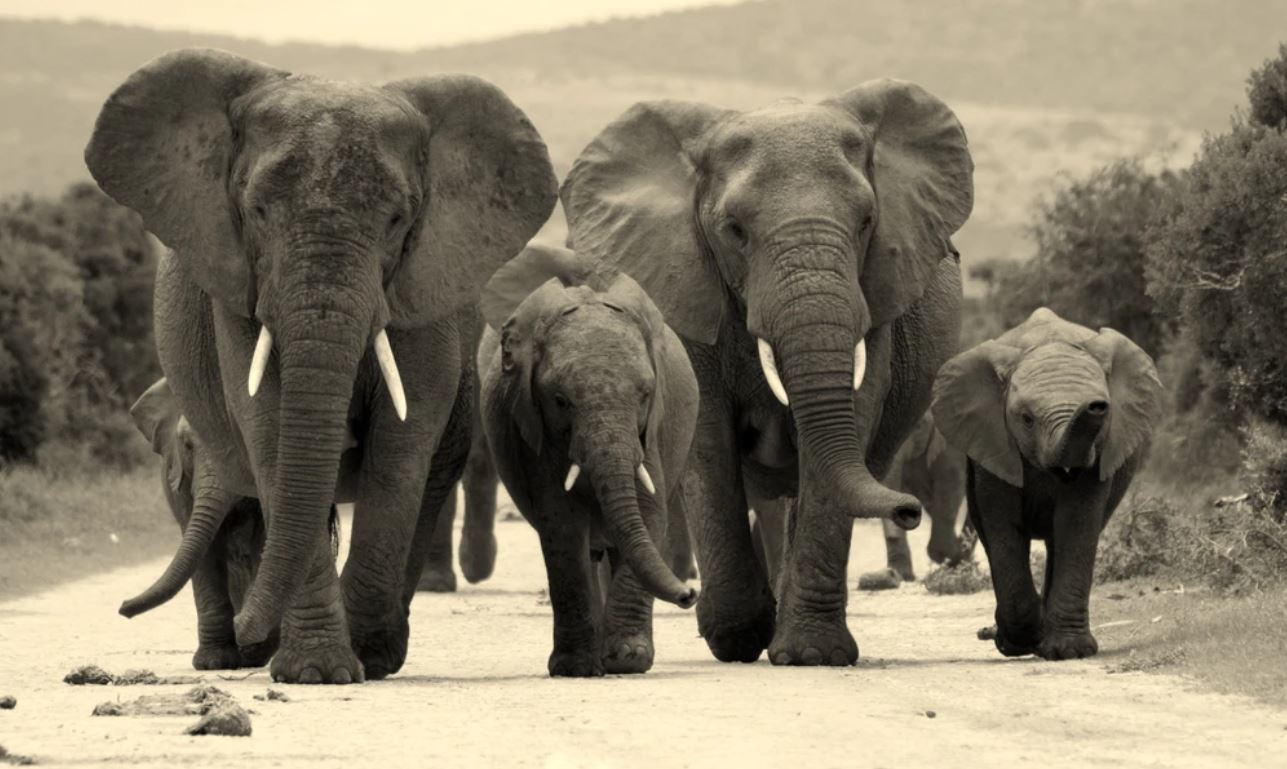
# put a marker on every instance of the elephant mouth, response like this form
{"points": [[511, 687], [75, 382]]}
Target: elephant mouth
{"points": [[1068, 474]]}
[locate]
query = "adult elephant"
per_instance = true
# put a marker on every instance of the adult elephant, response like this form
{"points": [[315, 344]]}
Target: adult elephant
{"points": [[803, 253], [326, 236]]}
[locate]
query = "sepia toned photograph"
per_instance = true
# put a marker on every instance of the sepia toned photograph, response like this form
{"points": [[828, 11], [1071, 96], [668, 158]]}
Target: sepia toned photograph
{"points": [[600, 384]]}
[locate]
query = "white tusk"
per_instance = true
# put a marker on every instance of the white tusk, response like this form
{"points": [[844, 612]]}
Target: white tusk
{"points": [[389, 368], [646, 479], [770, 368], [259, 360], [573, 472], [860, 362]]}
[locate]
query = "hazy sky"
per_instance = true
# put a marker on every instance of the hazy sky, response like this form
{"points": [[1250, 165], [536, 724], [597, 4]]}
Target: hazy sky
{"points": [[377, 23]]}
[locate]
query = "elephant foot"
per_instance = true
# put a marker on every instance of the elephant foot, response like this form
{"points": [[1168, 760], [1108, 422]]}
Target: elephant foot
{"points": [[257, 655], [217, 657], [1017, 640], [316, 661], [628, 653], [382, 648], [436, 579], [817, 642], [1067, 646], [882, 579], [575, 664], [477, 556], [737, 637]]}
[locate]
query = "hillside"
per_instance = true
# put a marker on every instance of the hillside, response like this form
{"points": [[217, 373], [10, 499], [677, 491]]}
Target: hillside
{"points": [[1043, 88]]}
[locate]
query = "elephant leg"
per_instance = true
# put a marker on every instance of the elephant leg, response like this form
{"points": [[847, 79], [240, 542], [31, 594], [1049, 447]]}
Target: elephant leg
{"points": [[996, 509], [315, 646], [770, 535], [438, 575], [565, 546], [478, 537], [216, 638], [1070, 564], [243, 546], [735, 611], [627, 622], [811, 610]]}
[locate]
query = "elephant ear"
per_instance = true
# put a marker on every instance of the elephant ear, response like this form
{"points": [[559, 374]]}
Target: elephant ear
{"points": [[156, 415], [924, 182], [520, 354], [489, 188], [163, 146], [662, 343], [969, 408], [525, 273], [629, 200], [1135, 393]]}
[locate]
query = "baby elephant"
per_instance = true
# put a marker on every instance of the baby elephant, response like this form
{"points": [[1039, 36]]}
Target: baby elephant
{"points": [[223, 536], [589, 404], [1055, 420]]}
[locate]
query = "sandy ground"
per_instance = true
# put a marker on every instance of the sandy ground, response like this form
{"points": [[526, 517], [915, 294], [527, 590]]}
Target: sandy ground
{"points": [[474, 693]]}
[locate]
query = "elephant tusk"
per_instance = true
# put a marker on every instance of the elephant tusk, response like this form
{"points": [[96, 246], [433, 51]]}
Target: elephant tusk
{"points": [[389, 368], [770, 368], [860, 362], [259, 360], [573, 472], [646, 479]]}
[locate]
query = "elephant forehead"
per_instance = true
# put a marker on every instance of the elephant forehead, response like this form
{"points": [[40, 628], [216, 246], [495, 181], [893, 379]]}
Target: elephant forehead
{"points": [[1060, 368], [592, 337], [799, 131]]}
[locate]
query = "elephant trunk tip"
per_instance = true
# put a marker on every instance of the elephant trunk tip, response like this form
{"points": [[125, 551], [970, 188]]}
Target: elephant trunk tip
{"points": [[250, 628], [686, 599], [132, 608], [876, 500]]}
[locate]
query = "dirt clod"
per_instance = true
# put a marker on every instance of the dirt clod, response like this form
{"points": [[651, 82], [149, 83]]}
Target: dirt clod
{"points": [[273, 695], [228, 719], [987, 633], [886, 579], [14, 759], [197, 701], [88, 675], [931, 714], [8, 703]]}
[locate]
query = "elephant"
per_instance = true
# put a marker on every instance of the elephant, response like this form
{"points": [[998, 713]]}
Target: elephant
{"points": [[934, 472], [326, 242], [236, 531], [589, 404], [803, 254], [1055, 419]]}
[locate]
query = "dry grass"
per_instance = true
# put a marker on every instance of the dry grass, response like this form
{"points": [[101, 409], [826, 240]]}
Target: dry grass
{"points": [[68, 522], [1233, 644]]}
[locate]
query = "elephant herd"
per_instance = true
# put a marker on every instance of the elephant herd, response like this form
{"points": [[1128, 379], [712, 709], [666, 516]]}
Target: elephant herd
{"points": [[756, 311]]}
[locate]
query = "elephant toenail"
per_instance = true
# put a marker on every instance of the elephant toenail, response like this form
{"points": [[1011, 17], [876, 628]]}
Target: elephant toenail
{"points": [[782, 658], [810, 656], [310, 676], [839, 657], [342, 677]]}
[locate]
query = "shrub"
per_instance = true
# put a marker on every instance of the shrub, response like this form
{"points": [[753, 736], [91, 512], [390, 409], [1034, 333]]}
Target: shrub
{"points": [[1267, 92], [1138, 541]]}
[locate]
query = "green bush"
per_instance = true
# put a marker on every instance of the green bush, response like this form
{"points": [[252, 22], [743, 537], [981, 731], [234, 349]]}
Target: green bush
{"points": [[1267, 92]]}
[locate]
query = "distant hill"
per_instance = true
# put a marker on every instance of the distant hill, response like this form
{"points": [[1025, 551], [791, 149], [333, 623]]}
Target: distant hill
{"points": [[1042, 87]]}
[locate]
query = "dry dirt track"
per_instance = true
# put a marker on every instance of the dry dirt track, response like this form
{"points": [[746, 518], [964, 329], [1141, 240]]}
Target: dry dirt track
{"points": [[474, 693]]}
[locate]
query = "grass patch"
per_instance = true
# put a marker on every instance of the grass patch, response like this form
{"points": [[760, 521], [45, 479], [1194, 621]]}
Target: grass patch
{"points": [[65, 522], [963, 578], [1234, 644]]}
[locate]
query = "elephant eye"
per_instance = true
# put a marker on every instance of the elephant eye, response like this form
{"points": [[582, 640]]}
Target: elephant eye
{"points": [[1028, 419], [561, 401], [735, 232]]}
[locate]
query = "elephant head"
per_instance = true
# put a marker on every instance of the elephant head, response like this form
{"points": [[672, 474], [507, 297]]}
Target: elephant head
{"points": [[807, 225], [1050, 394], [326, 212], [583, 375]]}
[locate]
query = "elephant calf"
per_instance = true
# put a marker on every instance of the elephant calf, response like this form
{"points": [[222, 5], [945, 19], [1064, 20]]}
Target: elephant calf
{"points": [[589, 404], [1055, 420], [223, 536]]}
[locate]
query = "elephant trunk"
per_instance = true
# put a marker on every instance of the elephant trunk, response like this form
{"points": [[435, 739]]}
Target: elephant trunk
{"points": [[1076, 445], [818, 328], [614, 459], [209, 509], [326, 318]]}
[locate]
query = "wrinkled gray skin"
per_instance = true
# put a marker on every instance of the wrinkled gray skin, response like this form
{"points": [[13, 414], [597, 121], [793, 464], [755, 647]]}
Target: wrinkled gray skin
{"points": [[812, 228], [590, 376], [233, 528], [934, 472], [331, 215], [1055, 419], [478, 534]]}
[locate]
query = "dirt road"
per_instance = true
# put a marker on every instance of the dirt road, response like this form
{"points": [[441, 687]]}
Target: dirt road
{"points": [[474, 693]]}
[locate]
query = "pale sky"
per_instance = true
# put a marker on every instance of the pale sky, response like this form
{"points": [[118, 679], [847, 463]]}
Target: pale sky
{"points": [[402, 24]]}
